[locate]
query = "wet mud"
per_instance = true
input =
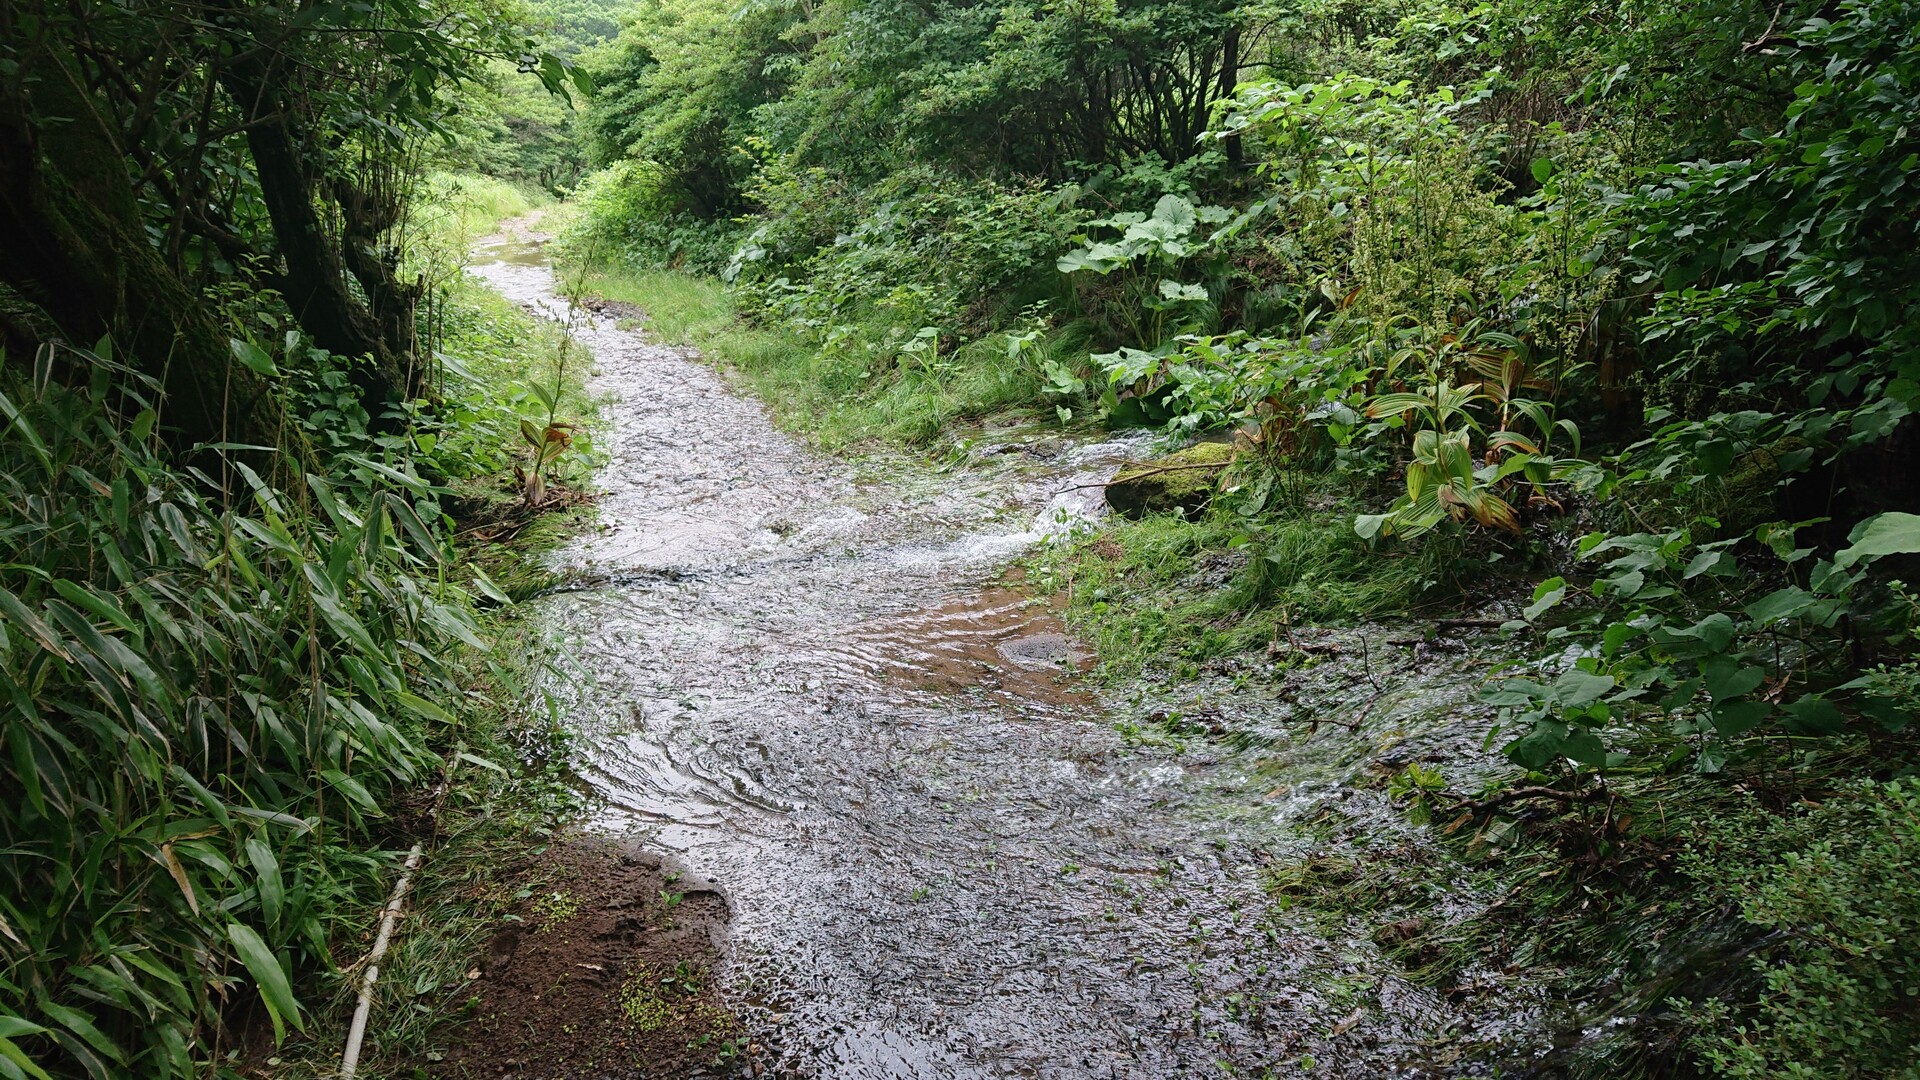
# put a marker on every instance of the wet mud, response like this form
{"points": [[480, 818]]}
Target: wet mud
{"points": [[812, 682]]}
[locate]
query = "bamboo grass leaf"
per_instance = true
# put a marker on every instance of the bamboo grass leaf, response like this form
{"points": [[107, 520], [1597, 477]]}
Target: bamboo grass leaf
{"points": [[275, 992]]}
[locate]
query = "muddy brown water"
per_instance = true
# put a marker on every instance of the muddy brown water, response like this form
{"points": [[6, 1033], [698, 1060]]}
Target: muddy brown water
{"points": [[806, 678]]}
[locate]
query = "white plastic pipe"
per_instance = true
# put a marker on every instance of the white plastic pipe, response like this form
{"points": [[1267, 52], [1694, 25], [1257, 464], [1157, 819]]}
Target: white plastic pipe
{"points": [[350, 1058], [357, 1032]]}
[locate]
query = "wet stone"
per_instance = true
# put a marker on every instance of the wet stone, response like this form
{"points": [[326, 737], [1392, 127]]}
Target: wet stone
{"points": [[1182, 481], [1040, 651]]}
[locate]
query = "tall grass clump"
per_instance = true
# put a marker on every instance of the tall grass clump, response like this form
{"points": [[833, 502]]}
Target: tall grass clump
{"points": [[469, 206], [211, 690]]}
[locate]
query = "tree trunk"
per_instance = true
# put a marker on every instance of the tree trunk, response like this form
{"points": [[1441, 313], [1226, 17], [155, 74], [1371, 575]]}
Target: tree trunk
{"points": [[1230, 85], [315, 276], [79, 267]]}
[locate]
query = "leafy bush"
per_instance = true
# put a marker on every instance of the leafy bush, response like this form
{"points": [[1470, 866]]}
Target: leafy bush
{"points": [[1801, 242], [625, 215], [1840, 894], [1687, 642]]}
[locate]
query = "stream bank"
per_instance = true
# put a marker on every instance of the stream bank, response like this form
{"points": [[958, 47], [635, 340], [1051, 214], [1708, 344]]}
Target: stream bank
{"points": [[810, 682]]}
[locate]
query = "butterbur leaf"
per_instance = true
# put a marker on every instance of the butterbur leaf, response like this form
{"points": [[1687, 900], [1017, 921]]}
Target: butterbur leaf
{"points": [[1175, 211]]}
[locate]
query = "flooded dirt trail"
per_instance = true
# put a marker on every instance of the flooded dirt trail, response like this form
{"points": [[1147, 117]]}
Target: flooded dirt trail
{"points": [[804, 677]]}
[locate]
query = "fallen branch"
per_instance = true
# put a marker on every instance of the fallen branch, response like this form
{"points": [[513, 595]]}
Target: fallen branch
{"points": [[356, 1034]]}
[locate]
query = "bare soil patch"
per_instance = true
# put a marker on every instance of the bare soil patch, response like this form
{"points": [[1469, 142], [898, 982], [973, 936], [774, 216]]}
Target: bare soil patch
{"points": [[611, 972]]}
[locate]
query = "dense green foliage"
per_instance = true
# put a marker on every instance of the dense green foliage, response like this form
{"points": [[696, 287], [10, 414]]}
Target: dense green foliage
{"points": [[1615, 298], [244, 388], [207, 701], [1842, 893], [1615, 301]]}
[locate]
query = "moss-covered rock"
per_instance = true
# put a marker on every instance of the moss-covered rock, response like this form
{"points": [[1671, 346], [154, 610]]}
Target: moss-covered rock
{"points": [[1185, 480]]}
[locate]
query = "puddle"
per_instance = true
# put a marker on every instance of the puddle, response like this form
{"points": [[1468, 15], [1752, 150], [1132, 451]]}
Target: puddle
{"points": [[806, 678]]}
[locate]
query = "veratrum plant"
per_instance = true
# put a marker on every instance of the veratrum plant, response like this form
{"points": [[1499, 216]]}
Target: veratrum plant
{"points": [[200, 706], [1445, 481]]}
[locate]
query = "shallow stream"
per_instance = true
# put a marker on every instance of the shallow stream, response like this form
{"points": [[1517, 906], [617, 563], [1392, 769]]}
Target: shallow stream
{"points": [[808, 677]]}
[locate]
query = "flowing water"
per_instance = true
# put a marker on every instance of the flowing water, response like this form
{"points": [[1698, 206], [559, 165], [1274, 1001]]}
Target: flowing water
{"points": [[808, 678]]}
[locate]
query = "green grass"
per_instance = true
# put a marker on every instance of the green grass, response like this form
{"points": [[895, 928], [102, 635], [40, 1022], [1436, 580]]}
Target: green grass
{"points": [[837, 398], [1167, 592], [470, 206]]}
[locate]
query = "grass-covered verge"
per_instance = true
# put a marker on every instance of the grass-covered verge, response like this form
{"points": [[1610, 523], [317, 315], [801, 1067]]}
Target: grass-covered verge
{"points": [[1180, 595], [230, 711], [835, 393], [1755, 922], [459, 208], [1682, 925]]}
